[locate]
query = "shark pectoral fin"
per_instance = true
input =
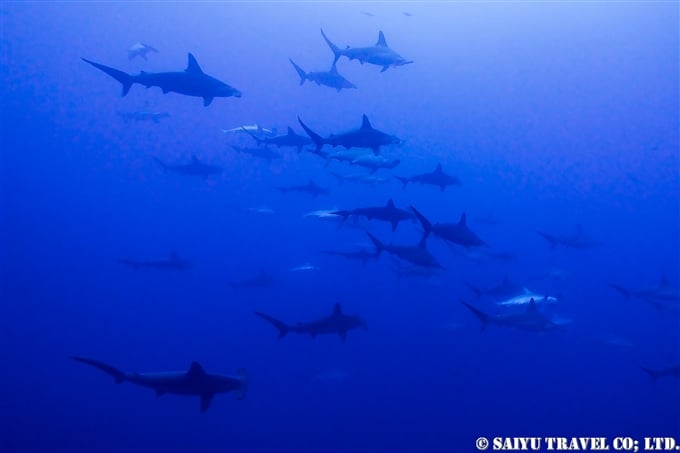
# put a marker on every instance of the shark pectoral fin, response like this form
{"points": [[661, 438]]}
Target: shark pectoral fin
{"points": [[395, 224], [384, 68], [207, 101], [206, 399]]}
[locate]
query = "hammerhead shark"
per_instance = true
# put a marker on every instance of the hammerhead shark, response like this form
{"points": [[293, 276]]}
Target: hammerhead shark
{"points": [[576, 240], [330, 78], [195, 168], [505, 289], [364, 137], [416, 254], [310, 188], [433, 178], [191, 82], [671, 371], [289, 139], [387, 213], [337, 323], [261, 280], [455, 233], [663, 296], [359, 255], [531, 319], [195, 381], [174, 263], [262, 152], [139, 49], [379, 54]]}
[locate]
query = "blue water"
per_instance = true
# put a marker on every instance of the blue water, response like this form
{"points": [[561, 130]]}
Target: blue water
{"points": [[552, 115]]}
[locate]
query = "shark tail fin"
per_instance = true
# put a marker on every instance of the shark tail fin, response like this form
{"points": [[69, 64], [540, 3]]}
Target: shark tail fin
{"points": [[118, 375], [337, 52], [257, 139], [477, 291], [651, 373], [483, 317], [300, 71], [282, 326], [404, 181], [625, 292], [548, 237], [125, 79], [379, 246], [427, 226], [242, 374], [163, 165], [316, 138]]}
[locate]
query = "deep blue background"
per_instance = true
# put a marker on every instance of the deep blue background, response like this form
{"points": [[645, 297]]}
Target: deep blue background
{"points": [[552, 115]]}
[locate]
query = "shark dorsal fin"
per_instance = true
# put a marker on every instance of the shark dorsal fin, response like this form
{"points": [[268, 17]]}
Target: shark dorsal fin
{"points": [[291, 131], [337, 310], [663, 281], [462, 221], [439, 168], [532, 306], [196, 369], [365, 124], [390, 203], [192, 66], [194, 159], [381, 39]]}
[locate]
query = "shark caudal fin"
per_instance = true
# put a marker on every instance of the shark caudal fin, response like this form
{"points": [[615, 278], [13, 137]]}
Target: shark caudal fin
{"points": [[125, 79], [477, 291], [118, 375], [404, 181], [427, 226], [483, 317], [379, 246], [300, 71], [625, 292], [316, 138], [162, 164], [255, 137], [655, 375], [549, 237], [337, 52], [242, 374], [283, 327]]}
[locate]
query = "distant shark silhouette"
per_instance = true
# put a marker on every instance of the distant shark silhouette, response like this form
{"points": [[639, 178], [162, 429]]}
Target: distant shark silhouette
{"points": [[664, 296], [174, 263], [379, 54], [576, 240], [261, 280], [455, 233], [337, 323], [190, 82], [503, 290], [139, 49], [433, 178], [262, 152], [310, 188], [290, 139], [330, 78], [387, 213], [195, 168], [364, 137], [531, 319], [415, 254], [672, 371], [143, 116], [195, 381]]}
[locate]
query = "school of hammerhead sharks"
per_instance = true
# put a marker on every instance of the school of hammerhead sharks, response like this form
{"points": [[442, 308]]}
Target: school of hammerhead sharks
{"points": [[361, 147]]}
